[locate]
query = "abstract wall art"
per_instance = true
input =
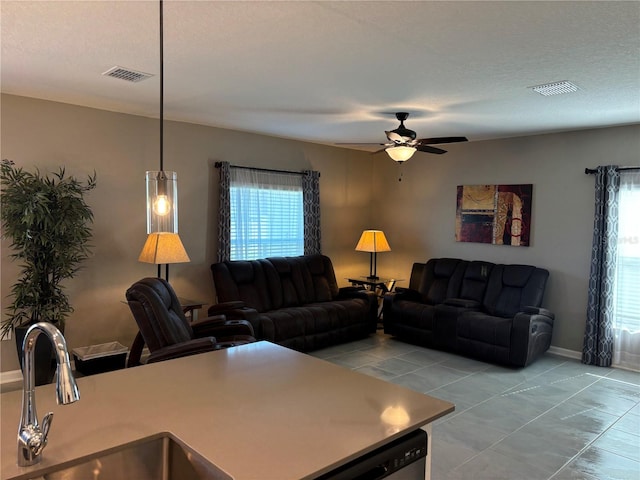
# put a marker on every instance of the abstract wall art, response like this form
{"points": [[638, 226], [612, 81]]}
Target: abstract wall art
{"points": [[497, 214]]}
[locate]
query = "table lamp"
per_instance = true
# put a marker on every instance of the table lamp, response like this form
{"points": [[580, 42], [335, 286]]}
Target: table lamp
{"points": [[373, 241]]}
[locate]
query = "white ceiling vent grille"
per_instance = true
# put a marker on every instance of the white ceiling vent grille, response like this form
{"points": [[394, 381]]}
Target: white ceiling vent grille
{"points": [[555, 88], [127, 74]]}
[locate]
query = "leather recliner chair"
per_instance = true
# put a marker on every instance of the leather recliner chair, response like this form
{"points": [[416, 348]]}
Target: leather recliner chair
{"points": [[167, 332]]}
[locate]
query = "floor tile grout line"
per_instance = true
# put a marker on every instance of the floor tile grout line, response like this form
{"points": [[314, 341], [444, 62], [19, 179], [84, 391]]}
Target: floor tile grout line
{"points": [[591, 444], [527, 380], [530, 421], [612, 427], [606, 377]]}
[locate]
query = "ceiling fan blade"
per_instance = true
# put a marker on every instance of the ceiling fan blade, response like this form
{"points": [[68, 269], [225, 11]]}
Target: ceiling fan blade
{"points": [[394, 137], [428, 149], [437, 140]]}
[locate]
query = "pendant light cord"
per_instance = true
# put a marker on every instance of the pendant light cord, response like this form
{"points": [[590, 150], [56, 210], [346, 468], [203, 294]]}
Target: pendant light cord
{"points": [[161, 90]]}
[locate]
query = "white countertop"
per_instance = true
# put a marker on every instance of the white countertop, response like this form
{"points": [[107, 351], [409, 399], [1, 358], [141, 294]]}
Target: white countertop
{"points": [[257, 411]]}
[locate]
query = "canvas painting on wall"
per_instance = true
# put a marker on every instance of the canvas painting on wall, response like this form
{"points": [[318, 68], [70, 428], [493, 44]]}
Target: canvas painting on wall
{"points": [[497, 214]]}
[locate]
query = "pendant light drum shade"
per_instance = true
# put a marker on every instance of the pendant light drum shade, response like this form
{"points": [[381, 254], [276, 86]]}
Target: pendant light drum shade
{"points": [[162, 201]]}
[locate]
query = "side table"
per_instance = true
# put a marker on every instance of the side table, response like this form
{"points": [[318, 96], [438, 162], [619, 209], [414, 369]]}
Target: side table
{"points": [[191, 307], [379, 285]]}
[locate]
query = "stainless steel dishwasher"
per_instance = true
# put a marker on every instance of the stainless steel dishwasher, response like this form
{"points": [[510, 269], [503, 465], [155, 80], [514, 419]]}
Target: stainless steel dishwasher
{"points": [[402, 459]]}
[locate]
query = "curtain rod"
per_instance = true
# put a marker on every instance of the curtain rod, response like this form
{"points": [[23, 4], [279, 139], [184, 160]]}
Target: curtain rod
{"points": [[289, 172], [591, 171]]}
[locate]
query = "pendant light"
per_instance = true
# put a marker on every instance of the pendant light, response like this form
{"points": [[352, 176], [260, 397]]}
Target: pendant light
{"points": [[163, 244]]}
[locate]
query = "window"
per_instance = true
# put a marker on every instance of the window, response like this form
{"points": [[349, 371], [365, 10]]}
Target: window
{"points": [[628, 265], [626, 301], [267, 214]]}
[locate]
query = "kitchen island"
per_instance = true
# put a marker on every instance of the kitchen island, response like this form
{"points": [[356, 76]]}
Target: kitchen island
{"points": [[257, 411]]}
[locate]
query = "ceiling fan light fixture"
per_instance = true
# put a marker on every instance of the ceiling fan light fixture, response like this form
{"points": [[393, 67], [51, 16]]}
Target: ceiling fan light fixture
{"points": [[400, 153]]}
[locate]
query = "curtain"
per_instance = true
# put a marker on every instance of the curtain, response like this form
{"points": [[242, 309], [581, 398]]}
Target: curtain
{"points": [[598, 337], [224, 213], [626, 343], [311, 204]]}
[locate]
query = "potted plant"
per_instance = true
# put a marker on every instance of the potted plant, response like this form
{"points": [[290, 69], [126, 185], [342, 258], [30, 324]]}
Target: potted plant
{"points": [[49, 225]]}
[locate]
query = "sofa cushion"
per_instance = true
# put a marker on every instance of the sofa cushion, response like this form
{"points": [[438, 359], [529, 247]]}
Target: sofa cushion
{"points": [[244, 281], [285, 282], [316, 325], [513, 287], [414, 314], [324, 286], [415, 279], [484, 328], [441, 279], [474, 281]]}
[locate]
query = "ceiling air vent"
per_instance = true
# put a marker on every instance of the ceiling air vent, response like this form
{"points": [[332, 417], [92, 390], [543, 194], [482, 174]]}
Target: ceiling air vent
{"points": [[555, 88], [127, 74]]}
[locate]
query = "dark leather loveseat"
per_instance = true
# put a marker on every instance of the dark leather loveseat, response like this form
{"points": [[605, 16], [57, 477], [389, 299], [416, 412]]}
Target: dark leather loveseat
{"points": [[293, 301], [483, 310]]}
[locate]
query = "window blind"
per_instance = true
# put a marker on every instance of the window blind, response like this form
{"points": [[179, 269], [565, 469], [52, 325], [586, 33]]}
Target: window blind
{"points": [[267, 215]]}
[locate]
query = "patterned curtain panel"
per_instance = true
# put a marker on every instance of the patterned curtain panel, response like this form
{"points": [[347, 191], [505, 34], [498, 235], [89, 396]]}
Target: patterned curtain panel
{"points": [[224, 213], [598, 337], [311, 201]]}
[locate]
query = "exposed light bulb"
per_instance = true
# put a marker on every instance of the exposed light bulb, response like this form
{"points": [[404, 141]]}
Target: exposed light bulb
{"points": [[161, 205]]}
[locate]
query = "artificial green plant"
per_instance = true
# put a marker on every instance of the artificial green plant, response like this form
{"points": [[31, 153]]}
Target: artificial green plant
{"points": [[48, 223]]}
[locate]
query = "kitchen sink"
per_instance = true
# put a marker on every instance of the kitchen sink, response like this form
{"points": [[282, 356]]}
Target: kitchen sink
{"points": [[159, 457]]}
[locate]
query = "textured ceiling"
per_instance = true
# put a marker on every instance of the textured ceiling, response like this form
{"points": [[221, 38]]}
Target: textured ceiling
{"points": [[333, 72]]}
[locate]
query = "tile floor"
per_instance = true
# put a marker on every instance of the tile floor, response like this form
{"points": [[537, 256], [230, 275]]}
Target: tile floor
{"points": [[556, 419]]}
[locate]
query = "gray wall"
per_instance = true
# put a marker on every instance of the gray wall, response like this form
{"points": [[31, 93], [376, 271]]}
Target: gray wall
{"points": [[419, 212], [36, 133], [358, 191]]}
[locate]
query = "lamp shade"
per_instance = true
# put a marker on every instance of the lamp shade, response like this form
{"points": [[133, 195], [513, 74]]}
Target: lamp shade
{"points": [[163, 248], [401, 153], [373, 241]]}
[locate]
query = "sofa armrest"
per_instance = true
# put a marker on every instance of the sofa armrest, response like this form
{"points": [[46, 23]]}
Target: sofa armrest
{"points": [[356, 292], [237, 310], [221, 308], [530, 336], [349, 290], [191, 347], [462, 303], [409, 294], [220, 327], [539, 311]]}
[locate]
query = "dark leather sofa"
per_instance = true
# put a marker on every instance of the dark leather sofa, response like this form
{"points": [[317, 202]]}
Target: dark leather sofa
{"points": [[488, 311], [293, 301]]}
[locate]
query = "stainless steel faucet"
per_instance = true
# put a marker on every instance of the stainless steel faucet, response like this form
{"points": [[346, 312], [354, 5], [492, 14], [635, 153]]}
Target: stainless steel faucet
{"points": [[31, 437]]}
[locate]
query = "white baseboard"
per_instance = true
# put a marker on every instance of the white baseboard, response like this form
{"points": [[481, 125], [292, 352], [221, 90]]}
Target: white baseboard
{"points": [[563, 352]]}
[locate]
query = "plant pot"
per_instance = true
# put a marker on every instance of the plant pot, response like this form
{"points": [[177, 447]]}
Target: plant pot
{"points": [[44, 362]]}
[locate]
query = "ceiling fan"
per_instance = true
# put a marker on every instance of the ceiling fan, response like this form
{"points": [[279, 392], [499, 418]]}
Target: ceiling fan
{"points": [[402, 143]]}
